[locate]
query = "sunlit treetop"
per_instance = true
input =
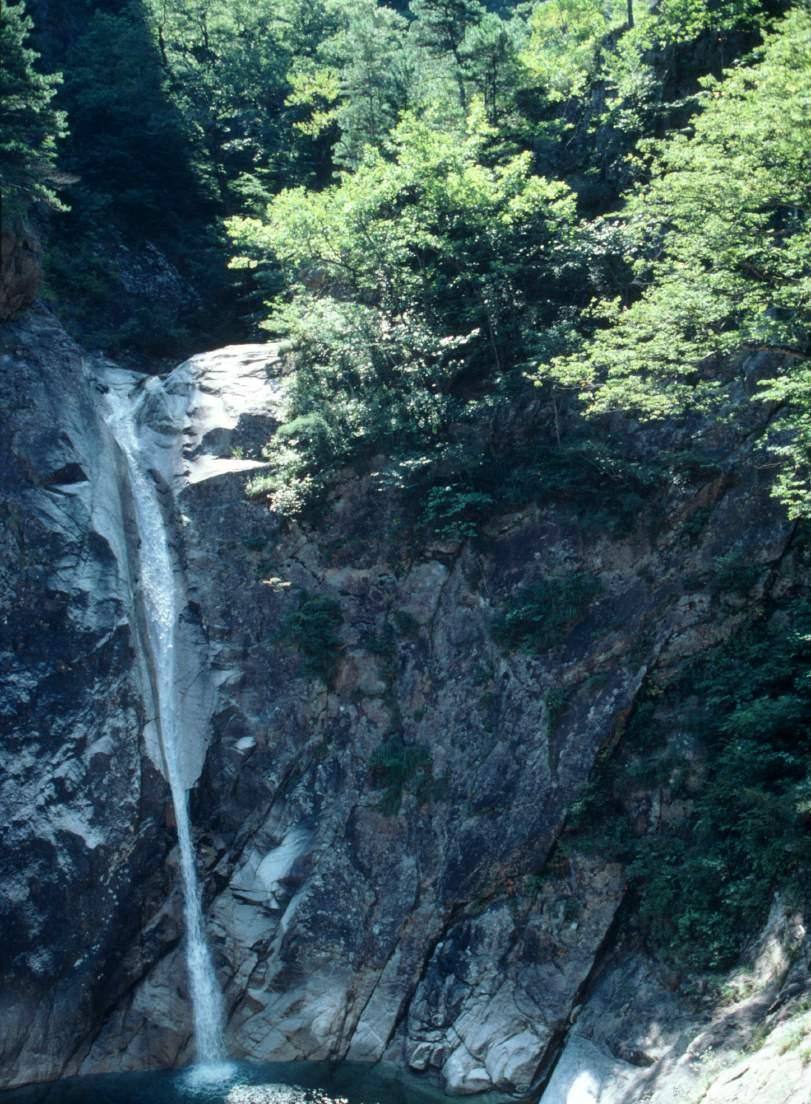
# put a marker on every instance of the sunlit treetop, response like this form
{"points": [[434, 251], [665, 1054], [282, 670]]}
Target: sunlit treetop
{"points": [[725, 241]]}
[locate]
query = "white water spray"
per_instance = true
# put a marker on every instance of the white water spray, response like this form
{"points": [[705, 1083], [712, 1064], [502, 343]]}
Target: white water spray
{"points": [[157, 584]]}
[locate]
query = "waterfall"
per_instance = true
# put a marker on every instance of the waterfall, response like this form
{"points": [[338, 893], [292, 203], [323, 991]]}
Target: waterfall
{"points": [[156, 584]]}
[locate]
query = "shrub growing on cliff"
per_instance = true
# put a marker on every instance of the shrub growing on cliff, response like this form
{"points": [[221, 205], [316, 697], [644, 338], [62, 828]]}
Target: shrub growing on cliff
{"points": [[313, 628], [394, 765], [705, 881], [540, 615], [454, 512]]}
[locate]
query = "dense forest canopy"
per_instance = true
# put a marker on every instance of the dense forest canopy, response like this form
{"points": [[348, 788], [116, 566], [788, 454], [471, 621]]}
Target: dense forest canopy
{"points": [[723, 234], [434, 205]]}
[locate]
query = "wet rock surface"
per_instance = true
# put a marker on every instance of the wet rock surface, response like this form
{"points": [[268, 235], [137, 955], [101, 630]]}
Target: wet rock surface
{"points": [[380, 848], [83, 833]]}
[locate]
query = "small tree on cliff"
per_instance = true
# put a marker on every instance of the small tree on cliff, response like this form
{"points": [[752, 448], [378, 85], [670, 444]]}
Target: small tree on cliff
{"points": [[30, 125]]}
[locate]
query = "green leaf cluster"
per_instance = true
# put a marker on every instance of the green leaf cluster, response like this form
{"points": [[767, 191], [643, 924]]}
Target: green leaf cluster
{"points": [[30, 123], [565, 42], [704, 890], [704, 881], [454, 512], [394, 766], [540, 615], [227, 66], [409, 276], [723, 266], [313, 628]]}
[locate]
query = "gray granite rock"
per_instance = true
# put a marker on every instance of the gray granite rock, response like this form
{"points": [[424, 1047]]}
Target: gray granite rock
{"points": [[426, 913]]}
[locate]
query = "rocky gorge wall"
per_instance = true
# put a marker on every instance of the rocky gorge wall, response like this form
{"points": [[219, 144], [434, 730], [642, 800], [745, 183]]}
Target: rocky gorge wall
{"points": [[378, 838], [83, 831]]}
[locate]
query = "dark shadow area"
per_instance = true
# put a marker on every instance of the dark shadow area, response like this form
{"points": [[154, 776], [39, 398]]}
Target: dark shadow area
{"points": [[138, 266]]}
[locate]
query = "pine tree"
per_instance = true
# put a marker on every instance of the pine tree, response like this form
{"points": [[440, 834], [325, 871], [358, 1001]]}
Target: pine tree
{"points": [[30, 126], [441, 25]]}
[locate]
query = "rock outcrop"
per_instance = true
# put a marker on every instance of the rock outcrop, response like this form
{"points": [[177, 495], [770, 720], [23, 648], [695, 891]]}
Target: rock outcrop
{"points": [[378, 839], [20, 268]]}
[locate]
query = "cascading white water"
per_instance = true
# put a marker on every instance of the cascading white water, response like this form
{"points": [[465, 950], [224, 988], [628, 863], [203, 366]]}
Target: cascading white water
{"points": [[158, 589]]}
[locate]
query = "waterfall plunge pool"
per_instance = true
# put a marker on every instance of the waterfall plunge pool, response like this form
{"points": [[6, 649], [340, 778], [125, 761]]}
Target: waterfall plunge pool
{"points": [[243, 1083]]}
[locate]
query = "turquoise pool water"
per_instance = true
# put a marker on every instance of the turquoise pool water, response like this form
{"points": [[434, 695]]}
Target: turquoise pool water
{"points": [[243, 1083]]}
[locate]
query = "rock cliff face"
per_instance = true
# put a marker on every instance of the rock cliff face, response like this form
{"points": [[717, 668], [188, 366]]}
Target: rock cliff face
{"points": [[377, 836], [84, 839]]}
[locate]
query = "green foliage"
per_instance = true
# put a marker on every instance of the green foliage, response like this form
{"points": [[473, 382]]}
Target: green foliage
{"points": [[178, 117], [596, 479], [360, 386], [490, 63], [408, 277], [556, 700], [705, 884], [406, 624], [441, 27], [30, 124], [136, 264], [440, 262], [228, 65], [313, 627], [394, 766], [575, 43], [726, 268], [704, 891], [676, 21], [121, 132], [184, 112], [540, 615], [734, 573], [565, 41], [362, 78], [443, 24], [435, 226], [453, 513]]}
